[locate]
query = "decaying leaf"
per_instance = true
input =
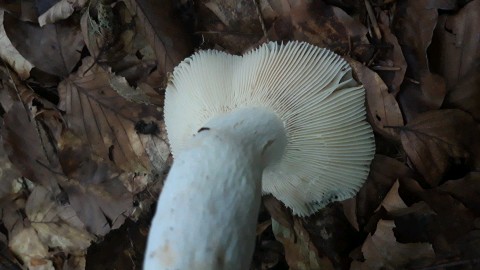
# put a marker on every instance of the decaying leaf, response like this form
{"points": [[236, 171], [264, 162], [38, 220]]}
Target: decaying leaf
{"points": [[434, 139], [95, 189], [61, 10], [57, 225], [29, 149], [163, 30], [422, 90], [329, 27], [384, 171], [443, 228], [235, 27], [27, 245], [392, 201], [110, 129], [393, 71], [10, 54], [60, 43], [382, 251], [456, 39], [25, 10], [466, 94], [382, 108], [465, 190], [300, 252]]}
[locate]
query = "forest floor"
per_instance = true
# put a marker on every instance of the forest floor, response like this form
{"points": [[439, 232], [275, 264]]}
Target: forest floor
{"points": [[84, 153]]}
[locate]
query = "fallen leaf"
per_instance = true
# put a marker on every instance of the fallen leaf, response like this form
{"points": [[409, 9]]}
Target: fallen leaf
{"points": [[300, 253], [8, 172], [384, 171], [8, 261], [27, 245], [10, 54], [465, 190], [466, 94], [456, 40], [233, 26], [452, 220], [392, 201], [163, 30], [330, 27], [393, 78], [29, 149], [383, 111], [60, 11], [434, 139], [95, 189], [25, 10], [421, 91], [382, 251], [56, 225], [332, 235], [60, 43], [413, 224], [110, 131]]}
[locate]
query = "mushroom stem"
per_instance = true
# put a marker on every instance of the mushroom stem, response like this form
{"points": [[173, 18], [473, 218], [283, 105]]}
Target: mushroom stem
{"points": [[207, 212]]}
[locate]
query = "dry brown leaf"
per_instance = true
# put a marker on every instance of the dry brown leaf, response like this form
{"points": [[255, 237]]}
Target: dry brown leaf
{"points": [[329, 27], [121, 86], [99, 116], [384, 171], [94, 188], [29, 148], [452, 220], [382, 251], [60, 11], [434, 139], [421, 91], [25, 10], [382, 108], [27, 245], [232, 26], [332, 235], [61, 44], [466, 94], [300, 252], [8, 172], [163, 30], [465, 190], [456, 40], [115, 39], [57, 225], [10, 54], [392, 201], [393, 78]]}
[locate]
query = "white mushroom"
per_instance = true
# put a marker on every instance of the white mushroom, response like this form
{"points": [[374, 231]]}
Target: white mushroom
{"points": [[283, 119]]}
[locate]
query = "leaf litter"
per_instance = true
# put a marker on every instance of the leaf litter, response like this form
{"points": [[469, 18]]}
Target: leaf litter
{"points": [[84, 149]]}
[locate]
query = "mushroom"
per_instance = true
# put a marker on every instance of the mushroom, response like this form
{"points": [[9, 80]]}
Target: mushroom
{"points": [[283, 119]]}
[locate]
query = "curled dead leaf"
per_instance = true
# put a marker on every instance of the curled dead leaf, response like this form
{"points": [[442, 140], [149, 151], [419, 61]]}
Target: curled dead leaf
{"points": [[61, 10], [163, 30], [382, 108], [60, 43], [10, 54], [382, 251]]}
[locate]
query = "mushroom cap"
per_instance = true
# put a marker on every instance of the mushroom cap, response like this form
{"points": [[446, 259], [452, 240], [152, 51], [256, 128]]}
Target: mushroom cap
{"points": [[330, 145]]}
